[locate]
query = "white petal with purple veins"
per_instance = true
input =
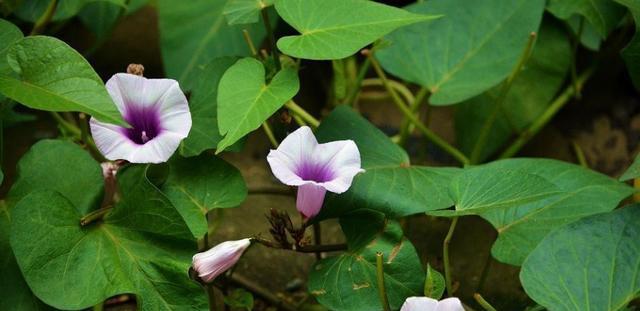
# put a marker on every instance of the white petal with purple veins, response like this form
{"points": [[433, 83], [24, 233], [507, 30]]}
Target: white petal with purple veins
{"points": [[301, 161], [159, 116]]}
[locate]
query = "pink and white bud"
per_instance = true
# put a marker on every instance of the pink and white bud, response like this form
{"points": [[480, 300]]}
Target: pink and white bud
{"points": [[219, 259], [430, 304]]}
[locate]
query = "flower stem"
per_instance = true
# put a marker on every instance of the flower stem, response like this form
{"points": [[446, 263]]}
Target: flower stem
{"points": [[308, 118], [576, 43], [272, 38], [399, 87], [476, 153], [546, 116], [95, 215], [406, 128], [44, 19], [382, 292], [445, 255], [317, 238], [352, 98], [453, 151], [247, 38], [267, 130], [483, 303], [99, 306], [303, 249], [580, 154]]}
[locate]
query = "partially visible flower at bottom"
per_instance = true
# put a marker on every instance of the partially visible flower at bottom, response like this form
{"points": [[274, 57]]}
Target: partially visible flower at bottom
{"points": [[156, 110], [315, 168], [219, 259], [430, 304]]}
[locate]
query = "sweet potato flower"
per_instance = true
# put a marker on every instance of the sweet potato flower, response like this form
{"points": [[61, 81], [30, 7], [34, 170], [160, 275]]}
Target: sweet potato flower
{"points": [[219, 259], [430, 304], [156, 110], [314, 168]]}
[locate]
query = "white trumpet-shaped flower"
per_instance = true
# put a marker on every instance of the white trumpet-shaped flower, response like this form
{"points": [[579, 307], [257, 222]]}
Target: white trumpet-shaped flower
{"points": [[156, 110], [219, 259], [314, 168]]}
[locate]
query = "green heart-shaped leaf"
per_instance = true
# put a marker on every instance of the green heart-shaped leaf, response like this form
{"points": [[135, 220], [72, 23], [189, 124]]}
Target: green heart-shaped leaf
{"points": [[198, 185], [472, 48], [591, 264], [604, 15], [245, 100], [142, 247], [521, 225], [334, 29], [348, 281], [54, 77]]}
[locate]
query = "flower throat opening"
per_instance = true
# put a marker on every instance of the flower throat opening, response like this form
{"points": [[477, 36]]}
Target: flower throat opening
{"points": [[145, 124]]}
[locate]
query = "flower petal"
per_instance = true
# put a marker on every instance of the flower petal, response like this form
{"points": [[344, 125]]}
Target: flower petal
{"points": [[310, 199], [343, 159], [419, 304], [450, 304], [114, 145], [287, 159]]}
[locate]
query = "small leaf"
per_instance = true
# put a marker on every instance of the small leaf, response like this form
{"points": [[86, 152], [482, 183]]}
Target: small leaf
{"points": [[9, 34], [141, 247], [465, 52], [198, 185], [203, 105], [604, 15], [187, 46], [54, 77], [245, 100], [434, 284], [633, 171], [244, 11], [389, 185], [239, 298], [348, 281], [334, 29], [591, 264]]}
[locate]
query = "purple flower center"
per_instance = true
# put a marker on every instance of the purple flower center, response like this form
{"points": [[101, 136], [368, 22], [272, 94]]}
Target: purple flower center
{"points": [[318, 172], [145, 124]]}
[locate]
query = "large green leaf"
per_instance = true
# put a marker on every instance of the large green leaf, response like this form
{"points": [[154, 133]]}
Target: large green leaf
{"points": [[186, 46], [530, 93], [574, 192], [9, 34], [55, 77], [245, 99], [591, 264], [14, 291], [390, 185], [604, 15], [472, 48], [348, 281], [244, 11], [203, 105], [198, 185], [142, 247], [334, 29], [60, 166]]}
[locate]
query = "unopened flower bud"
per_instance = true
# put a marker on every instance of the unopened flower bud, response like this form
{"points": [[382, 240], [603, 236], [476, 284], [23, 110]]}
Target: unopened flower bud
{"points": [[219, 259]]}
